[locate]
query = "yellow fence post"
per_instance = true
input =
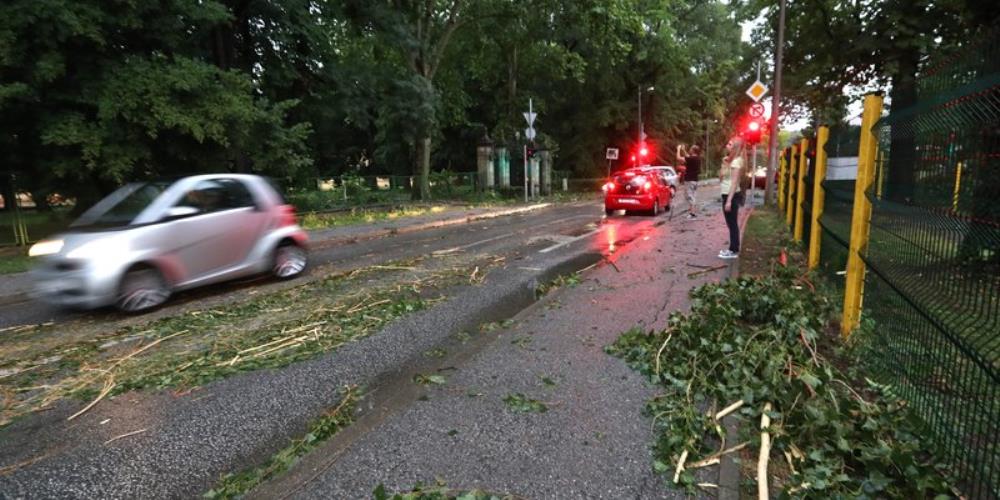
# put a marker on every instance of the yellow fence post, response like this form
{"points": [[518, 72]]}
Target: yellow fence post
{"points": [[790, 202], [800, 191], [958, 187], [861, 216], [781, 180], [819, 196]]}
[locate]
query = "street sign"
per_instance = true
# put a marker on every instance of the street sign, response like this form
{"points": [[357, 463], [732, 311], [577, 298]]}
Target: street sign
{"points": [[529, 133], [530, 117], [612, 154], [757, 110], [756, 91]]}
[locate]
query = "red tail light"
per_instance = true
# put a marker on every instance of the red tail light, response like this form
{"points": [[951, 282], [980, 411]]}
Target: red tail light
{"points": [[609, 186], [286, 215]]}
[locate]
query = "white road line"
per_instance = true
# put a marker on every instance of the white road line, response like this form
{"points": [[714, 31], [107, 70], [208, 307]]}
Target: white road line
{"points": [[507, 235], [567, 242]]}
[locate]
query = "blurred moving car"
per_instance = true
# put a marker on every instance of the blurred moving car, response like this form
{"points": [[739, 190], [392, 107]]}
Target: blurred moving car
{"points": [[760, 178], [637, 189], [147, 240], [671, 176]]}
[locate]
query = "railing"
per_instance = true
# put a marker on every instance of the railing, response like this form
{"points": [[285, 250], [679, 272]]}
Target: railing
{"points": [[913, 243]]}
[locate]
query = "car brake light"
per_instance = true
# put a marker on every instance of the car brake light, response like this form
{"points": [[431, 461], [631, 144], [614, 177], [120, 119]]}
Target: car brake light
{"points": [[286, 215], [609, 186]]}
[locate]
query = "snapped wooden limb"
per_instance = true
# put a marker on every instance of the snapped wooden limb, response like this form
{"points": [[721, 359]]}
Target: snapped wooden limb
{"points": [[765, 453], [680, 466], [729, 409]]}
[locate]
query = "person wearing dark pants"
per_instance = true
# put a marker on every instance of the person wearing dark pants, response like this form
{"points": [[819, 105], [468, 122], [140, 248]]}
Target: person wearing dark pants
{"points": [[732, 195]]}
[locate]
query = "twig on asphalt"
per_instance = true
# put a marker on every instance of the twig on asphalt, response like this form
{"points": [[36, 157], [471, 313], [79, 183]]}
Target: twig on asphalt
{"points": [[7, 469], [127, 434], [108, 386], [704, 271]]}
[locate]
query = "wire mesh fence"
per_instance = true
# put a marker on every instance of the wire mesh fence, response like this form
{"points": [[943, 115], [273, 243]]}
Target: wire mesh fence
{"points": [[933, 260]]}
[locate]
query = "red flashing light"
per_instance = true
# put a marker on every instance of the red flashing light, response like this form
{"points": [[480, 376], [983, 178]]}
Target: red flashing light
{"points": [[754, 126]]}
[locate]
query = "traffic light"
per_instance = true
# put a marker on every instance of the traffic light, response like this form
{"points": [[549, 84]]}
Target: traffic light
{"points": [[531, 151], [753, 131], [643, 150]]}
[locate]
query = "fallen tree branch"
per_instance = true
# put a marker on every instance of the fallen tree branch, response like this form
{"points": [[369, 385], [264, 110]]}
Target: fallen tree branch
{"points": [[108, 386], [680, 466], [660, 352], [127, 434], [765, 453], [729, 409], [704, 271], [717, 457]]}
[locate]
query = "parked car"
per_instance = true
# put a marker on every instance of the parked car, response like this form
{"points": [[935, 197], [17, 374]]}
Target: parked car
{"points": [[670, 174], [637, 189], [760, 178], [147, 240]]}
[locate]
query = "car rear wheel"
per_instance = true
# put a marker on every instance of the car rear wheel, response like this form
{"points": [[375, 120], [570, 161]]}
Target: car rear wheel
{"points": [[142, 289], [656, 208], [289, 261], [609, 212]]}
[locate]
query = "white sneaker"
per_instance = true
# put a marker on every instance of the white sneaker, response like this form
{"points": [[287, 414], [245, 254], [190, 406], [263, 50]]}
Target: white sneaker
{"points": [[726, 254]]}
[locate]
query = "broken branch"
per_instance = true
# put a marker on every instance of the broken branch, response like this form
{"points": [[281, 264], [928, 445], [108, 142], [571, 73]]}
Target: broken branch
{"points": [[765, 453]]}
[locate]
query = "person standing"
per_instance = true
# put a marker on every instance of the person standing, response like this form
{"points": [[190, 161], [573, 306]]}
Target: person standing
{"points": [[692, 164], [732, 195]]}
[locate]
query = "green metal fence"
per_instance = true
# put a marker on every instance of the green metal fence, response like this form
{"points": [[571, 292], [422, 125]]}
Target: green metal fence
{"points": [[933, 260]]}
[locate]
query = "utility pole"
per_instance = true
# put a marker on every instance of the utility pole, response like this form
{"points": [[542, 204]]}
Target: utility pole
{"points": [[638, 89], [772, 141]]}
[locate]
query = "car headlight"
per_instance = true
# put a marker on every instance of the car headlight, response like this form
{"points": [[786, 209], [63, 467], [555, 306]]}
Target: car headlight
{"points": [[45, 247], [103, 249]]}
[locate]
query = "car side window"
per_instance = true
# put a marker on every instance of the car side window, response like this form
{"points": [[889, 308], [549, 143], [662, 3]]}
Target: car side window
{"points": [[237, 194], [216, 195]]}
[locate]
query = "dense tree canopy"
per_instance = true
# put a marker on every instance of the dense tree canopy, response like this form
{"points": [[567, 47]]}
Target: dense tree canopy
{"points": [[97, 92]]}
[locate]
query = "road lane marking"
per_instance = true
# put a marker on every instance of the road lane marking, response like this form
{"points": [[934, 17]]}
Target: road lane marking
{"points": [[567, 242]]}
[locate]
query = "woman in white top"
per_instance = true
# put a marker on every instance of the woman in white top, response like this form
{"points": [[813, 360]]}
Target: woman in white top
{"points": [[732, 195]]}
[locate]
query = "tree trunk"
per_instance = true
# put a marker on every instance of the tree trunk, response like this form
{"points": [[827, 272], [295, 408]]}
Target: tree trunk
{"points": [[422, 170], [902, 149]]}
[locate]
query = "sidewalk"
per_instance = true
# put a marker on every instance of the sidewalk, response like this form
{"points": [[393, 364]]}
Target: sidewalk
{"points": [[593, 440], [15, 287]]}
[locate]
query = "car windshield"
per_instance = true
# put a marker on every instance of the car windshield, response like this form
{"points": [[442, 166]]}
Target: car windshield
{"points": [[121, 207]]}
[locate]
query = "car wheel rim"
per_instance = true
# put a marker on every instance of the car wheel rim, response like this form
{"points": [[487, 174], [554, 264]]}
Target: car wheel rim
{"points": [[289, 261], [142, 290]]}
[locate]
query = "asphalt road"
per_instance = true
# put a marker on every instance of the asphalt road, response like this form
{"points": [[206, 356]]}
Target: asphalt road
{"points": [[234, 423], [487, 236]]}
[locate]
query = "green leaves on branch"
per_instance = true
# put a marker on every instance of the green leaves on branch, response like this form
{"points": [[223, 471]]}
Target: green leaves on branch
{"points": [[757, 340]]}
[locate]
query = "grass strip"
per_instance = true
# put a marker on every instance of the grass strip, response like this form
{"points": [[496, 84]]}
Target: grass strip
{"points": [[236, 485], [14, 261], [266, 331]]}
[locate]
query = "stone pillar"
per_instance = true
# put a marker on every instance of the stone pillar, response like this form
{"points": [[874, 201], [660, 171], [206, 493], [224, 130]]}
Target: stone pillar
{"points": [[484, 165], [546, 173], [503, 167], [534, 175]]}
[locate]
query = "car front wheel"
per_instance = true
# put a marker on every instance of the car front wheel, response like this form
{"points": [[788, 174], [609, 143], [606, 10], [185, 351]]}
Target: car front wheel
{"points": [[142, 289], [289, 261]]}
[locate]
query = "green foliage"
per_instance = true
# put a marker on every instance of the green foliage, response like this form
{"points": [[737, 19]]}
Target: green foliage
{"points": [[438, 492], [523, 404], [239, 484], [759, 340]]}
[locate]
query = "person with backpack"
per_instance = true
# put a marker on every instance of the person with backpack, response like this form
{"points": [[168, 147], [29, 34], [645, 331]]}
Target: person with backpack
{"points": [[733, 174]]}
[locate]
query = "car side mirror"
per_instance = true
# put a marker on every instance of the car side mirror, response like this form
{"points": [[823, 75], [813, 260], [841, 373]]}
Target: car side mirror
{"points": [[180, 212]]}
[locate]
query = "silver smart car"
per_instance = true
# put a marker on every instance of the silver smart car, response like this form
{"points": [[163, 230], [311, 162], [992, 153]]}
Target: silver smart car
{"points": [[149, 239]]}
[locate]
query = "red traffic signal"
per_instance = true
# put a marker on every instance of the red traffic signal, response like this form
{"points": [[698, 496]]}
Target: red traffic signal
{"points": [[753, 131], [643, 150]]}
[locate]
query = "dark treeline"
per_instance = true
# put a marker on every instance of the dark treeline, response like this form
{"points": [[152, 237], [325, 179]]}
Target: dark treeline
{"points": [[94, 93]]}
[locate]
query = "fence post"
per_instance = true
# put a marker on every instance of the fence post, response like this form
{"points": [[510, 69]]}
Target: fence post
{"points": [[781, 180], [861, 216], [800, 191], [819, 196], [792, 172]]}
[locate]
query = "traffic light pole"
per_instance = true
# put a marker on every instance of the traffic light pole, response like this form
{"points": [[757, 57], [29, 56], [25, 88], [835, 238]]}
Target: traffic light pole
{"points": [[525, 172], [772, 141]]}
